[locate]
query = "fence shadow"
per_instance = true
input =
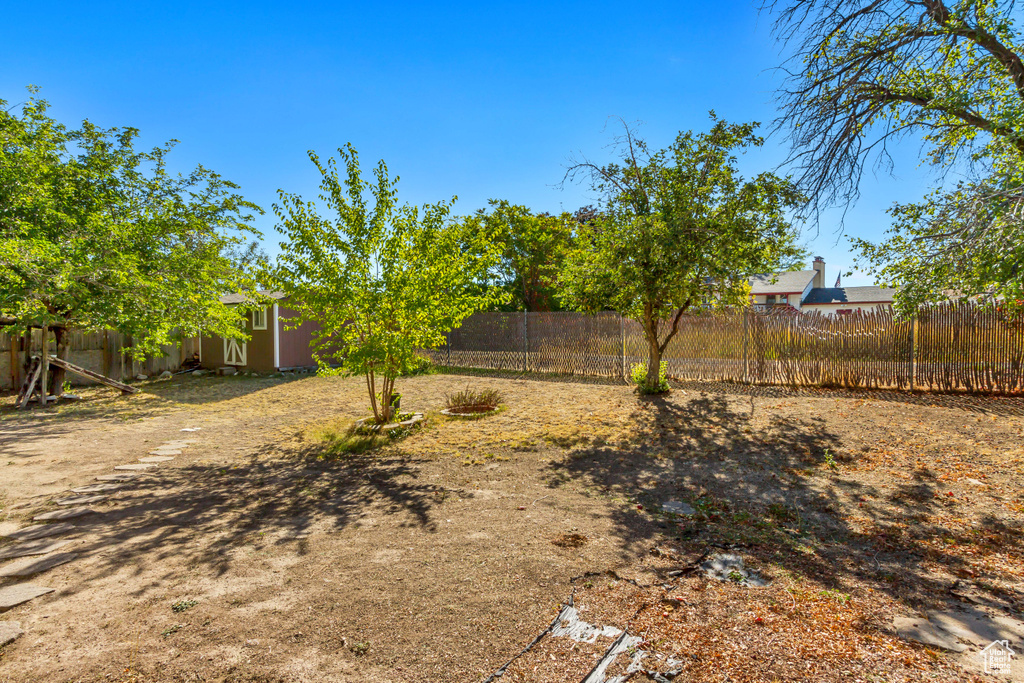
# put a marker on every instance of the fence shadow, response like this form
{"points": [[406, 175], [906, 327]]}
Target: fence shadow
{"points": [[767, 491]]}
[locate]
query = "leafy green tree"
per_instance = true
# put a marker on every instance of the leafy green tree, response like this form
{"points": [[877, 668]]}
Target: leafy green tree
{"points": [[866, 73], [95, 234], [678, 228], [532, 247], [381, 281]]}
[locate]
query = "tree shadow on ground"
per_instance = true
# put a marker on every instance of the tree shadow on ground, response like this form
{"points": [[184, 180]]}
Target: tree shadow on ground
{"points": [[206, 513], [771, 492]]}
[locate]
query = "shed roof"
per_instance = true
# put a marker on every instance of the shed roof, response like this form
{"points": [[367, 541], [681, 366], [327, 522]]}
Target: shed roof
{"points": [[240, 298], [781, 283], [844, 295]]}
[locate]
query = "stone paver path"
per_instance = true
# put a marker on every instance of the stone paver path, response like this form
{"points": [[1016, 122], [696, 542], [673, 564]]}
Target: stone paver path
{"points": [[135, 467], [10, 631], [96, 488], [121, 476], [40, 547], [67, 513], [30, 566], [12, 596], [81, 500], [29, 533]]}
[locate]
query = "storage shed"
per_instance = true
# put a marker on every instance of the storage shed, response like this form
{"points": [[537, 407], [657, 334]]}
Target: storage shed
{"points": [[270, 348]]}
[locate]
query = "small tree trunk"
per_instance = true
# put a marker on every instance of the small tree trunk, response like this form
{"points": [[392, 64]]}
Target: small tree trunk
{"points": [[653, 356], [371, 387]]}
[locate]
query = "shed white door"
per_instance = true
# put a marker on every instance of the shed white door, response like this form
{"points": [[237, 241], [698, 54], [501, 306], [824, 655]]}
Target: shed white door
{"points": [[234, 352]]}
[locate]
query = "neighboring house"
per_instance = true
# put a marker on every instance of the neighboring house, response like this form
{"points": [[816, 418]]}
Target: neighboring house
{"points": [[804, 291], [271, 347]]}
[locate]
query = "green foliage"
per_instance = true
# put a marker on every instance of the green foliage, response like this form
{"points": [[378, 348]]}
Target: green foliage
{"points": [[381, 280], [342, 439], [638, 375], [679, 228], [532, 248], [95, 234], [948, 75], [421, 365], [183, 605], [473, 401]]}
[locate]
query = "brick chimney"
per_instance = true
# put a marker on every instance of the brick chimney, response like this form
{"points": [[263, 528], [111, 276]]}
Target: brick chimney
{"points": [[819, 272]]}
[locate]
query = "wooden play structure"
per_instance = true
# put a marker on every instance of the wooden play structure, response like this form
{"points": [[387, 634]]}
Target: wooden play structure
{"points": [[37, 374]]}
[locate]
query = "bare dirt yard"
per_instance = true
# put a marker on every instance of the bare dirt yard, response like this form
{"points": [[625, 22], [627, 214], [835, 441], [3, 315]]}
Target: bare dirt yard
{"points": [[264, 552]]}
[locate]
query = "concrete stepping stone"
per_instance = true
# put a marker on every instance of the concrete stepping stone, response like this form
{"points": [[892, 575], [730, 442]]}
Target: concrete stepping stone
{"points": [[175, 444], [81, 500], [32, 565], [66, 513], [923, 631], [120, 476], [40, 547], [10, 631], [191, 429], [131, 468], [156, 458], [96, 488], [30, 533], [166, 451], [676, 507], [12, 596]]}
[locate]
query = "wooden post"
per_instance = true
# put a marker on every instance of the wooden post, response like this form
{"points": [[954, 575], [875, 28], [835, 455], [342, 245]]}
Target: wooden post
{"points": [[105, 370], [913, 352], [43, 378], [746, 336], [622, 345], [15, 362]]}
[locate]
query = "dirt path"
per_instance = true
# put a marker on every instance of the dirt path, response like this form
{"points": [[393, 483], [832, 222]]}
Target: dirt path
{"points": [[434, 560]]}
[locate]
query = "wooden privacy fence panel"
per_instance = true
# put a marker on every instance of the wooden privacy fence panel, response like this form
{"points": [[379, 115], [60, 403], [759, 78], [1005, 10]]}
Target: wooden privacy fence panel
{"points": [[953, 347], [105, 353], [863, 350], [964, 347], [574, 344]]}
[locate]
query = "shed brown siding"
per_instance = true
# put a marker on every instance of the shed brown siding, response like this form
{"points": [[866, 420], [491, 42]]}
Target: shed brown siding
{"points": [[296, 344], [259, 349]]}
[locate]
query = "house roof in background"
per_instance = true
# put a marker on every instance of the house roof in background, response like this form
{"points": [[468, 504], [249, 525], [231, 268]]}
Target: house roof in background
{"points": [[781, 283], [240, 298], [844, 295]]}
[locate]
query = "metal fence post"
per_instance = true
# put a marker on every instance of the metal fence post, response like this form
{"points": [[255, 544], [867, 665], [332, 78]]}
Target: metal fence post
{"points": [[526, 341], [448, 348]]}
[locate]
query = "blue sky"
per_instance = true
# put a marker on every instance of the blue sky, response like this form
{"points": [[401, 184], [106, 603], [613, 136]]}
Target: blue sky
{"points": [[468, 99]]}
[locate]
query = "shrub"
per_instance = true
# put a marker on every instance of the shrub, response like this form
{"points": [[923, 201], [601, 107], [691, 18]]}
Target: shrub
{"points": [[638, 373], [420, 365], [470, 401]]}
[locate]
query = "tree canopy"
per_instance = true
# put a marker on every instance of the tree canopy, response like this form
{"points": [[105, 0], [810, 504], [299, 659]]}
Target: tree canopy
{"points": [[678, 228], [532, 248], [95, 234], [381, 280], [866, 73]]}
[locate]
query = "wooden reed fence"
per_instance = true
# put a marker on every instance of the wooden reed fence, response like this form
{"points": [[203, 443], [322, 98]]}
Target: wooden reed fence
{"points": [[952, 347], [102, 352]]}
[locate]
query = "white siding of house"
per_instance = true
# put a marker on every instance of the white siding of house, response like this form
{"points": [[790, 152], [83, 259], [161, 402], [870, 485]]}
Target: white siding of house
{"points": [[831, 309]]}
